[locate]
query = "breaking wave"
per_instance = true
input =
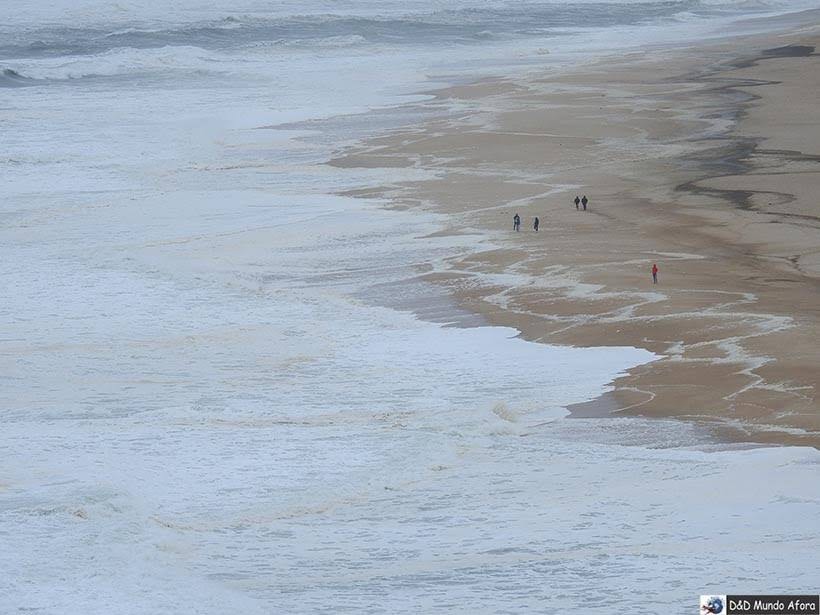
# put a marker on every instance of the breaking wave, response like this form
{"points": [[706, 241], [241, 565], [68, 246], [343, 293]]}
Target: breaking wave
{"points": [[12, 79], [167, 60], [456, 26]]}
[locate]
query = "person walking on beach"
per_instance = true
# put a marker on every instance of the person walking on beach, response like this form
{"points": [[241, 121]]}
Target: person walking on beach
{"points": [[584, 201], [516, 222], [535, 224], [577, 202], [654, 273]]}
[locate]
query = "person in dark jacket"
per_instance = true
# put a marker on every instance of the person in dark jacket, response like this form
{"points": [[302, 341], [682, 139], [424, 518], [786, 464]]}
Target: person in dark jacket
{"points": [[577, 202], [516, 222], [584, 201], [535, 224]]}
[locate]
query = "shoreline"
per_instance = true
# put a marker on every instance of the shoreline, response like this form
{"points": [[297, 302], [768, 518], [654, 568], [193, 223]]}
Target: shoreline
{"points": [[656, 137]]}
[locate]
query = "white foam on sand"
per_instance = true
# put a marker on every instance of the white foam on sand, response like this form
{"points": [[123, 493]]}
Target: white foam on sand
{"points": [[208, 420]]}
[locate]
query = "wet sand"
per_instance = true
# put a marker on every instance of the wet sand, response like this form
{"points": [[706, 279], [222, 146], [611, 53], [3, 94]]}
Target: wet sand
{"points": [[703, 160]]}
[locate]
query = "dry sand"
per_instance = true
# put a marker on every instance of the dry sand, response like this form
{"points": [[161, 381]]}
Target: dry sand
{"points": [[704, 160]]}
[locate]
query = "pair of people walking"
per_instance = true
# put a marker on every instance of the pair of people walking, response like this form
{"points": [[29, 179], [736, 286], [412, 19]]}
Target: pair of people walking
{"points": [[581, 201], [517, 223], [536, 222]]}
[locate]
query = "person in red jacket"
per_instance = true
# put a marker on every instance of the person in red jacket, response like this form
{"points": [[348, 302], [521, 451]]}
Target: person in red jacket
{"points": [[654, 273]]}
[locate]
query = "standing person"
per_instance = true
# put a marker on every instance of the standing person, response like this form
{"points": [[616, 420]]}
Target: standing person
{"points": [[577, 202], [584, 201], [654, 273], [516, 222], [535, 224]]}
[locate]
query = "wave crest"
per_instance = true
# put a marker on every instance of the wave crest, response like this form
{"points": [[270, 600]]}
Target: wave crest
{"points": [[12, 79]]}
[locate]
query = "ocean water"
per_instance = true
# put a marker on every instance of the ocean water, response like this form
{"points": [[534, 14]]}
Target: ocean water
{"points": [[204, 411]]}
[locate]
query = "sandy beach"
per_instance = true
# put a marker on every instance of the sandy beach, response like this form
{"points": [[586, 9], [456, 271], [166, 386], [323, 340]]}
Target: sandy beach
{"points": [[271, 344], [701, 159]]}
